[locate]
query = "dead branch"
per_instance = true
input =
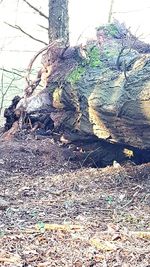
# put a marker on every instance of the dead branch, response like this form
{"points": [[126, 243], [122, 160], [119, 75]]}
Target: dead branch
{"points": [[32, 85], [32, 61], [30, 88], [35, 57], [125, 70], [118, 58], [13, 72], [131, 11], [29, 35], [43, 27], [36, 9]]}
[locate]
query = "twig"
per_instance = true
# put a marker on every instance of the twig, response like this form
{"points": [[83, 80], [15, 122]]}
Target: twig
{"points": [[29, 35], [130, 11], [35, 57], [32, 61], [36, 9], [131, 200], [81, 34], [13, 72], [33, 85], [3, 93], [30, 88], [119, 56], [125, 70], [43, 27], [89, 155]]}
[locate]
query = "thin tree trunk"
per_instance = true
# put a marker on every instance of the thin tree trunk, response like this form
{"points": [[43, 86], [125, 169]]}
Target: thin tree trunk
{"points": [[111, 11], [58, 21]]}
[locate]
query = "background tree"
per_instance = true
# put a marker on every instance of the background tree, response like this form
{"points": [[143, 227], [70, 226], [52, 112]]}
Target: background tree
{"points": [[58, 20], [111, 11]]}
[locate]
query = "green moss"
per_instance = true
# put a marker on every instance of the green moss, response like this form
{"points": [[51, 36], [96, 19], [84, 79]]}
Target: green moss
{"points": [[110, 53], [76, 74], [110, 29], [94, 57], [93, 61]]}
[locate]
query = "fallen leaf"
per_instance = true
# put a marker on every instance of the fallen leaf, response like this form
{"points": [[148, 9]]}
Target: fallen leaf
{"points": [[105, 246], [141, 234], [61, 227]]}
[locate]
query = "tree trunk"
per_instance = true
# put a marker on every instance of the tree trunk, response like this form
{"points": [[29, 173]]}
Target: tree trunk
{"points": [[58, 20], [100, 92], [111, 11]]}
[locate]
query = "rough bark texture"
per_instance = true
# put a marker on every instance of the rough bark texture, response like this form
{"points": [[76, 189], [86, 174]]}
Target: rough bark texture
{"points": [[100, 92], [103, 89], [58, 20], [104, 103]]}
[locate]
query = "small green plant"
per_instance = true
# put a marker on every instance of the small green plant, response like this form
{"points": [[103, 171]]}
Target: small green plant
{"points": [[41, 227], [76, 74], [94, 57], [109, 200]]}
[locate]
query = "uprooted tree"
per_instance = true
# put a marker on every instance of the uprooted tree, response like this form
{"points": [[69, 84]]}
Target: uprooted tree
{"points": [[97, 95]]}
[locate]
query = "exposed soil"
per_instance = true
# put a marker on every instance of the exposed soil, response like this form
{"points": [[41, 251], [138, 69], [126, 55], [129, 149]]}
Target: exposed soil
{"points": [[58, 214]]}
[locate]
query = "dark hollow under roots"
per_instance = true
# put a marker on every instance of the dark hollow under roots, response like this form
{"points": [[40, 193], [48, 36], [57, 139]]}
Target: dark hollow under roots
{"points": [[86, 150]]}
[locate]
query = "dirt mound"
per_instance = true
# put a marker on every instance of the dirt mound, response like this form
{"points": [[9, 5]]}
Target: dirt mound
{"points": [[32, 157]]}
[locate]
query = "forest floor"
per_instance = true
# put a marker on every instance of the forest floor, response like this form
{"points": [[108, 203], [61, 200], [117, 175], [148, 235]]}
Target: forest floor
{"points": [[55, 213]]}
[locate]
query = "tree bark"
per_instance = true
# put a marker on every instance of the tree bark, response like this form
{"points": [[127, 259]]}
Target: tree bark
{"points": [[111, 11], [100, 91], [104, 91], [58, 20]]}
